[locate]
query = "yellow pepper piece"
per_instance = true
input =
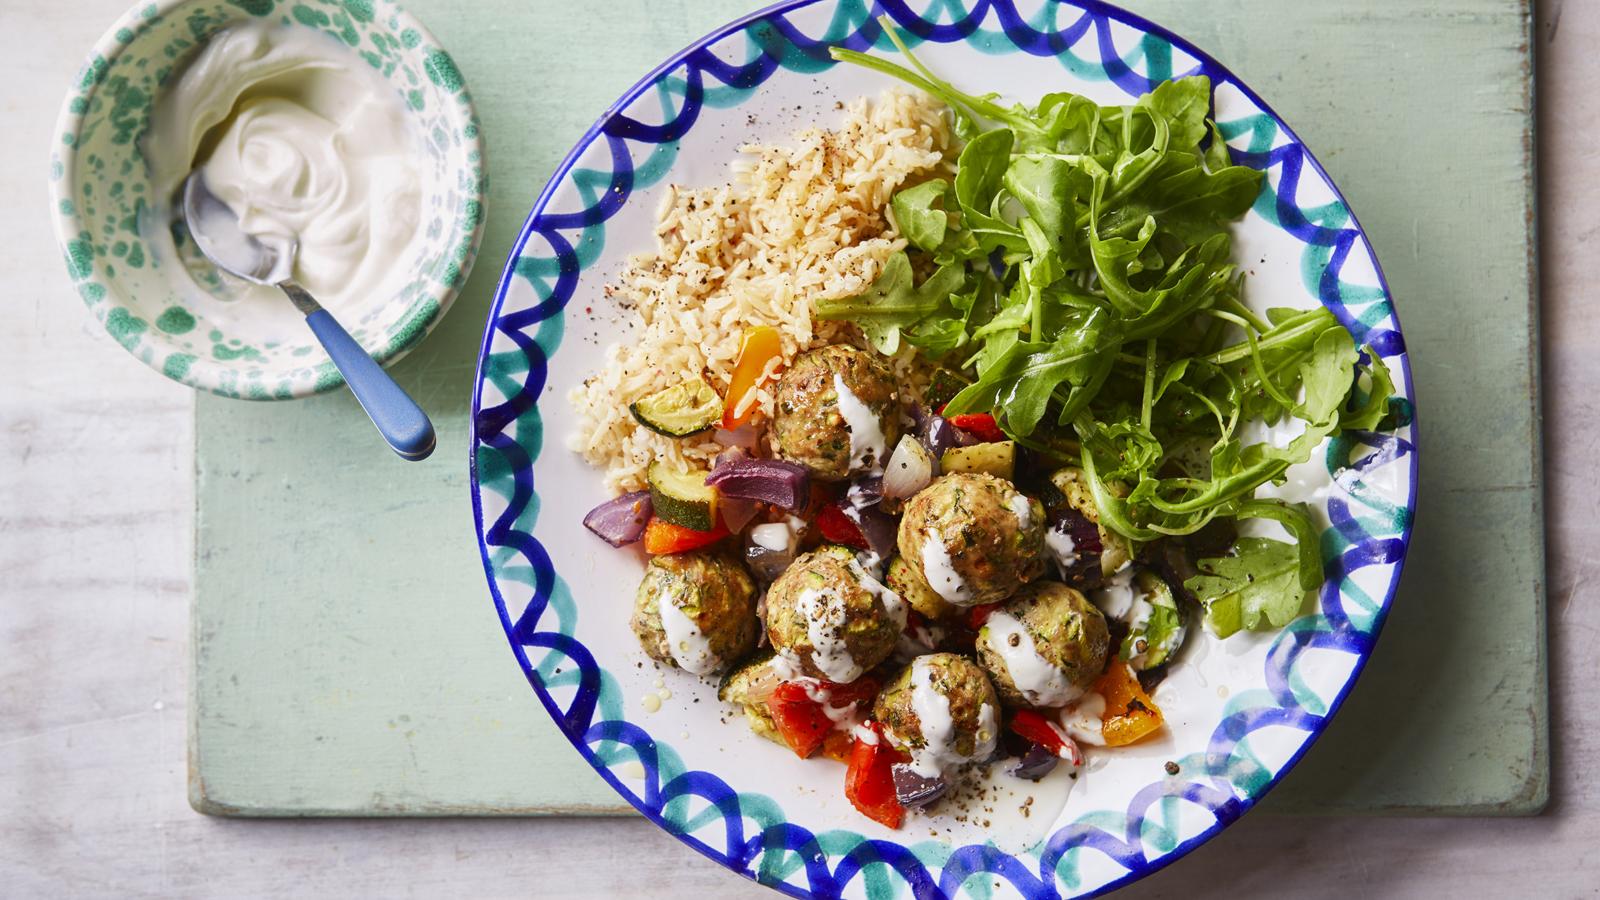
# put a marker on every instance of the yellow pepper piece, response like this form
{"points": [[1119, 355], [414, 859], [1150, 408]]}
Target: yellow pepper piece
{"points": [[1130, 713], [759, 347]]}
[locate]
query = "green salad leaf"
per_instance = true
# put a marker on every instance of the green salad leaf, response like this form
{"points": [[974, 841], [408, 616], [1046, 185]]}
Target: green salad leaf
{"points": [[923, 223], [893, 302], [1077, 272], [1257, 588]]}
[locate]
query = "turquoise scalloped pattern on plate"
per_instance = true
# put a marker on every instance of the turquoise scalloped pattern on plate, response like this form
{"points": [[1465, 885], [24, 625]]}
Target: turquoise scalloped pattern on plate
{"points": [[1369, 511]]}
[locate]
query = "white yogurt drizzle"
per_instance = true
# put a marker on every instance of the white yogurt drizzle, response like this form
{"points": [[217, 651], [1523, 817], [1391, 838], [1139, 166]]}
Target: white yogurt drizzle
{"points": [[1082, 720], [775, 536], [689, 646], [938, 753], [867, 445], [825, 616], [1040, 683], [1022, 508], [940, 572], [1062, 548], [844, 718], [936, 724], [1119, 600]]}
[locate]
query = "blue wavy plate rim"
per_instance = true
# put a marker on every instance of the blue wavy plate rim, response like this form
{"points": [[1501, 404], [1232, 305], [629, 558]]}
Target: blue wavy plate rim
{"points": [[1219, 75]]}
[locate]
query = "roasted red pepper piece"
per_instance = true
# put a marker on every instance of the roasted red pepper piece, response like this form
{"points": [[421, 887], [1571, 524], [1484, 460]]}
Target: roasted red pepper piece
{"points": [[661, 537], [869, 780], [977, 616], [1036, 728], [980, 425], [836, 746], [840, 528], [800, 720]]}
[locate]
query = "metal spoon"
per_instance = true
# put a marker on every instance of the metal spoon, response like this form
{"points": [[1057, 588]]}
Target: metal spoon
{"points": [[216, 232]]}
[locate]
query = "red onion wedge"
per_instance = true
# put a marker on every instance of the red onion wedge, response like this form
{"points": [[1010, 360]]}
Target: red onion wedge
{"points": [[910, 468], [864, 492], [878, 527], [1038, 762], [913, 789], [938, 435], [785, 485], [621, 521], [737, 513], [965, 438]]}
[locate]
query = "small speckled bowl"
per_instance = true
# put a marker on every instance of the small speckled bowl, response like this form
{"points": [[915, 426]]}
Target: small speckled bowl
{"points": [[101, 203]]}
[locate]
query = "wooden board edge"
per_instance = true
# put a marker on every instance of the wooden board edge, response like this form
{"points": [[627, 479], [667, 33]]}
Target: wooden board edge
{"points": [[1534, 796]]}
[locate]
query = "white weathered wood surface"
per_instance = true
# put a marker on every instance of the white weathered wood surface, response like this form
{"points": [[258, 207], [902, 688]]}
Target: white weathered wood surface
{"points": [[96, 500]]}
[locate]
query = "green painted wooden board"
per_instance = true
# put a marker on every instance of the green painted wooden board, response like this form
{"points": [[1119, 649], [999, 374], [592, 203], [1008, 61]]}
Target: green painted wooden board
{"points": [[347, 660]]}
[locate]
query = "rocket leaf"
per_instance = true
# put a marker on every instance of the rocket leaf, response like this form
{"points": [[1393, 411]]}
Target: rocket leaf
{"points": [[1257, 588]]}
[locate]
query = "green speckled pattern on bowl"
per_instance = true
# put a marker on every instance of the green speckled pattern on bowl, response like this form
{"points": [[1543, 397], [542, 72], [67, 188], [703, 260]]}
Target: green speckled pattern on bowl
{"points": [[100, 191]]}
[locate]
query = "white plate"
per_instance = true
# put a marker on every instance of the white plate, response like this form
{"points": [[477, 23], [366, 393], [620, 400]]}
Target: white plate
{"points": [[1240, 712]]}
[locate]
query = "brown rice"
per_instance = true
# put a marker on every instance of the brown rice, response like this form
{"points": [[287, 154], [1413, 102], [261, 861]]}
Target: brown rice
{"points": [[795, 225]]}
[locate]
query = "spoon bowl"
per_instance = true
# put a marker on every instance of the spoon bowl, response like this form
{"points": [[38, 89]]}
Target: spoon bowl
{"points": [[220, 237], [216, 231]]}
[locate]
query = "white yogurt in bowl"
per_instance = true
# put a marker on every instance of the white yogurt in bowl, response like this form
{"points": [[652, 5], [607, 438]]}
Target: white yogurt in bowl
{"points": [[307, 150], [342, 128]]}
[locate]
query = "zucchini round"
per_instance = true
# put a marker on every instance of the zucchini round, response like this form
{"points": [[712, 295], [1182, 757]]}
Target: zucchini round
{"points": [[681, 410], [683, 498], [998, 458]]}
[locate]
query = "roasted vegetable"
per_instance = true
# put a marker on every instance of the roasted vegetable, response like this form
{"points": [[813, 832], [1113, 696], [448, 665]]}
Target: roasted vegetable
{"points": [[760, 347], [683, 498], [1130, 715], [869, 781], [998, 459], [681, 410], [980, 425], [662, 537], [620, 521], [783, 484]]}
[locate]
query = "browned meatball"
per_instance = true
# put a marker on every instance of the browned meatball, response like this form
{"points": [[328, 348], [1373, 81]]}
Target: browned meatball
{"points": [[942, 710], [973, 538], [1045, 646], [837, 412], [830, 618], [696, 611]]}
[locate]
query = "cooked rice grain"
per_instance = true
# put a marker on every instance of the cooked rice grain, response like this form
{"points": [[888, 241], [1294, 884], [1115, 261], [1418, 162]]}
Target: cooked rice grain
{"points": [[797, 224]]}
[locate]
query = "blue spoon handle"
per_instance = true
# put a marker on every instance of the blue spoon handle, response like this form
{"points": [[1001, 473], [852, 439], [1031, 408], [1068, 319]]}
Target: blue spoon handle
{"points": [[398, 418]]}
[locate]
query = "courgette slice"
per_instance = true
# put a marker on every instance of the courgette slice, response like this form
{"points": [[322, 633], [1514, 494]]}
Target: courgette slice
{"points": [[739, 686], [681, 410], [735, 686], [997, 458], [683, 498], [908, 583]]}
